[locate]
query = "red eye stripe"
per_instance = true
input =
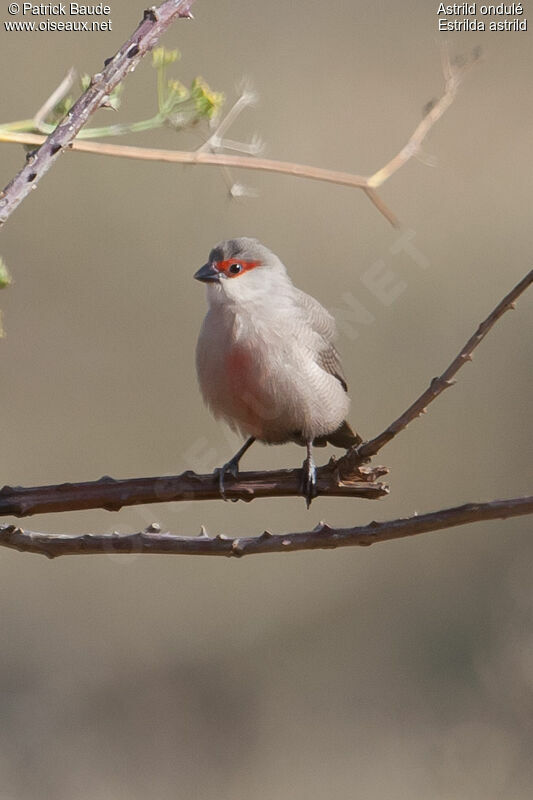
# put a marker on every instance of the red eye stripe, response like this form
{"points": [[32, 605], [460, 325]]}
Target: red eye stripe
{"points": [[224, 266]]}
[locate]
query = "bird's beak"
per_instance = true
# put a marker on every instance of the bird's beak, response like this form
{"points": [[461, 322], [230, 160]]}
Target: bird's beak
{"points": [[207, 273]]}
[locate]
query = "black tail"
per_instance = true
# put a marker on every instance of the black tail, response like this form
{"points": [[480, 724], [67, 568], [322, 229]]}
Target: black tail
{"points": [[343, 437]]}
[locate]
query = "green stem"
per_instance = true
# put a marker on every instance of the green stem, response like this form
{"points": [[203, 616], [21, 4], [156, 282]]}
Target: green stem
{"points": [[121, 128], [160, 88]]}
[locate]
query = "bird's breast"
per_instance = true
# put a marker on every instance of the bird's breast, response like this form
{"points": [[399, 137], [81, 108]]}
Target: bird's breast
{"points": [[264, 380], [240, 370]]}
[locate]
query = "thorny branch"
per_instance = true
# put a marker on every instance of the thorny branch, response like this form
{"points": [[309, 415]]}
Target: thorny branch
{"points": [[444, 381], [453, 75], [152, 540], [346, 477], [112, 494], [155, 23]]}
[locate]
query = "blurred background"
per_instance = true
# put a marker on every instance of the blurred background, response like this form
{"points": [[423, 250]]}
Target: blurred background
{"points": [[401, 671]]}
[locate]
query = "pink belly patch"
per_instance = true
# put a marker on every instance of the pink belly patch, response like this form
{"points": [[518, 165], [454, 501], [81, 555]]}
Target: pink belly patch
{"points": [[249, 405]]}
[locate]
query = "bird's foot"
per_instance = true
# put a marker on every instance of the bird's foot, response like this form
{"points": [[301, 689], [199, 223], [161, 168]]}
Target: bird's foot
{"points": [[309, 489], [231, 467]]}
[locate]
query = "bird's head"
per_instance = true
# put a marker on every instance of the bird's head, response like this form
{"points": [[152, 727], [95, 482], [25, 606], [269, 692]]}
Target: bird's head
{"points": [[242, 270]]}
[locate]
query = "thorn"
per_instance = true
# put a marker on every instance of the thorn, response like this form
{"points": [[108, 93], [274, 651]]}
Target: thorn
{"points": [[236, 547], [266, 535], [151, 14], [512, 306], [203, 533], [107, 103], [222, 537], [112, 507], [190, 474], [106, 479], [422, 411], [154, 527], [467, 357]]}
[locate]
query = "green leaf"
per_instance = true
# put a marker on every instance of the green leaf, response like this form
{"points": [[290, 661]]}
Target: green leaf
{"points": [[5, 277]]}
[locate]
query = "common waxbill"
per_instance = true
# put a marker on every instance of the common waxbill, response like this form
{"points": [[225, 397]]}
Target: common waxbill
{"points": [[266, 358]]}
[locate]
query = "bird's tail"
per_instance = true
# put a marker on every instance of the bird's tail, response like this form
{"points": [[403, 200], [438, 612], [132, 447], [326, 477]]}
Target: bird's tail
{"points": [[343, 437]]}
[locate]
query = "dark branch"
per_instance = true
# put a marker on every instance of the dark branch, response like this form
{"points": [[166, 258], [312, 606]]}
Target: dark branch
{"points": [[321, 538], [112, 494], [155, 23], [438, 385], [346, 477]]}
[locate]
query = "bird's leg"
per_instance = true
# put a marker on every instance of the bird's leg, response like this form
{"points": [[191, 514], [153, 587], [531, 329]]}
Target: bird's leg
{"points": [[309, 490], [232, 466]]}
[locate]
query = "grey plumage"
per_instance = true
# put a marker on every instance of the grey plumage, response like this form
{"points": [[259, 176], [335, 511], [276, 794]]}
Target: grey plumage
{"points": [[266, 358]]}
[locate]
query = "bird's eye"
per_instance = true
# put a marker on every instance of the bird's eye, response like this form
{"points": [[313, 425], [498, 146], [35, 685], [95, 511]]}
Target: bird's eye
{"points": [[234, 269]]}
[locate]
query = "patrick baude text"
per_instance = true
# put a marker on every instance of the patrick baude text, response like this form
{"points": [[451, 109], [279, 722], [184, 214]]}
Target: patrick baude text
{"points": [[64, 9]]}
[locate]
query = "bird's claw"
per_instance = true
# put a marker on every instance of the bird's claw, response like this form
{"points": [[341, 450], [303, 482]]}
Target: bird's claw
{"points": [[309, 488], [232, 467]]}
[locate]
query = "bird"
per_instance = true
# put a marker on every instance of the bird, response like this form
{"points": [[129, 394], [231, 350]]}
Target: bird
{"points": [[266, 359]]}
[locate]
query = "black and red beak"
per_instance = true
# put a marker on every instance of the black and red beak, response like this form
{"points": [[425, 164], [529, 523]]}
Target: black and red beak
{"points": [[208, 273]]}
